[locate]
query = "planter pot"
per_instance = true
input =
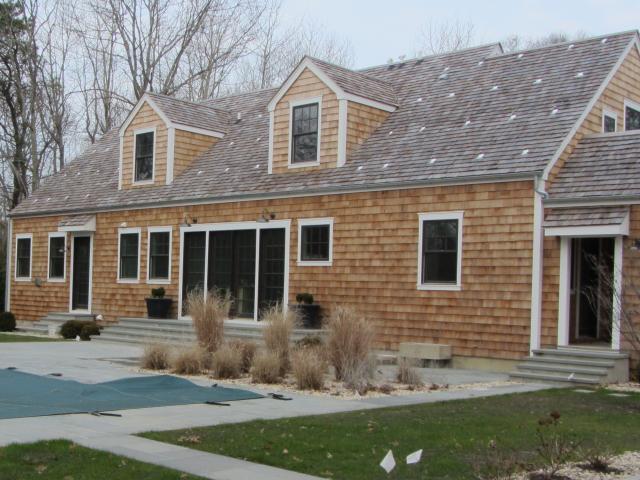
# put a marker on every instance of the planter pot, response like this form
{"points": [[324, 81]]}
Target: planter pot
{"points": [[158, 307], [309, 314]]}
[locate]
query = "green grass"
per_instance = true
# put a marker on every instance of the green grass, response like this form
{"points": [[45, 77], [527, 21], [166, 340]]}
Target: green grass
{"points": [[63, 460], [12, 338], [454, 435]]}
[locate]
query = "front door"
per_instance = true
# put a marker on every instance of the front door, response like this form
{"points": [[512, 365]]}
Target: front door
{"points": [[271, 276], [81, 273]]}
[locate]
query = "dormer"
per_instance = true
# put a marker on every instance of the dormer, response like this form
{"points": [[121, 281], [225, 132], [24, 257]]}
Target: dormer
{"points": [[321, 113], [161, 136]]}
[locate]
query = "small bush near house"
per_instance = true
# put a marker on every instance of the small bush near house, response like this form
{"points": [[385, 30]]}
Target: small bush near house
{"points": [[208, 314], [7, 322], [156, 357], [158, 292], [89, 330], [73, 328], [266, 368], [598, 458], [226, 362], [349, 345], [408, 374], [308, 369], [247, 351], [187, 361], [277, 334], [554, 448]]}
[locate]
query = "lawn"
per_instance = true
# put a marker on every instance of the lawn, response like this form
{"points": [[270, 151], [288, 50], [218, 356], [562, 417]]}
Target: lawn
{"points": [[11, 338], [454, 435], [60, 459]]}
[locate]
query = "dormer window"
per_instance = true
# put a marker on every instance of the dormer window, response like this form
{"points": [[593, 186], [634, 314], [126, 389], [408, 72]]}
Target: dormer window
{"points": [[144, 149], [631, 115], [305, 130]]}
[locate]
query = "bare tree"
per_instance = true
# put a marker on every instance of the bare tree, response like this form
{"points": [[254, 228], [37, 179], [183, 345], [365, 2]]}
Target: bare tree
{"points": [[517, 42], [446, 36]]}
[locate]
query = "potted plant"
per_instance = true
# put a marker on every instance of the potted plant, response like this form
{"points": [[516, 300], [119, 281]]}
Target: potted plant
{"points": [[308, 312], [157, 305]]}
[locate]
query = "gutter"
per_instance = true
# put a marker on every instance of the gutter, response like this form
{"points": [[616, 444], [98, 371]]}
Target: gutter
{"points": [[587, 201], [283, 194]]}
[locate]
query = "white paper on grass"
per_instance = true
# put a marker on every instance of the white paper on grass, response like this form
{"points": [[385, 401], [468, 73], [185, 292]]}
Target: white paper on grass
{"points": [[388, 463], [414, 457]]}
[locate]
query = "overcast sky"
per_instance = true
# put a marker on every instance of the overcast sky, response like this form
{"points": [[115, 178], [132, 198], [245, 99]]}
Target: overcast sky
{"points": [[383, 29]]}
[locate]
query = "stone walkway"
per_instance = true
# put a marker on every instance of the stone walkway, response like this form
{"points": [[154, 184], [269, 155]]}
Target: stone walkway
{"points": [[97, 362]]}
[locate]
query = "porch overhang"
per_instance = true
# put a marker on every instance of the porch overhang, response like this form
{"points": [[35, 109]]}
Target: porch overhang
{"points": [[78, 223], [609, 221]]}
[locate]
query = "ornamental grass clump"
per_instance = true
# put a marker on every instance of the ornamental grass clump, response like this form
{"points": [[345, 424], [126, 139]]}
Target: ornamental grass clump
{"points": [[226, 362], [408, 373], [208, 313], [349, 347], [247, 352], [266, 368], [156, 357], [189, 361], [277, 332], [308, 369]]}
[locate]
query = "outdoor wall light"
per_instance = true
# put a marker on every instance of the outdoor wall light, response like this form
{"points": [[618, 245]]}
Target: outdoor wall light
{"points": [[187, 221], [636, 244], [266, 216]]}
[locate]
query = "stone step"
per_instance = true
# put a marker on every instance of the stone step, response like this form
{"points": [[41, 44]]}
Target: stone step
{"points": [[33, 327], [578, 362], [581, 353], [115, 338], [556, 378], [597, 373]]}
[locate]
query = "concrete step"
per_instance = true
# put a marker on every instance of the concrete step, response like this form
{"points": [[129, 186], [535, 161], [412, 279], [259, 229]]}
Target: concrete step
{"points": [[33, 327], [555, 378], [532, 366], [107, 337], [581, 353], [577, 362]]}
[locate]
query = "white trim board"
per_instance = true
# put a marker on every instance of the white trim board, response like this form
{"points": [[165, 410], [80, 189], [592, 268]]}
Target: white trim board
{"points": [[315, 222], [608, 112], [124, 231], [537, 267], [23, 236], [590, 231], [64, 268], [150, 230], [452, 215]]}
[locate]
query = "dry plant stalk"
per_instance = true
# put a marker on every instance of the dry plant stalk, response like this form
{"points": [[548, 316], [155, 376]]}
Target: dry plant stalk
{"points": [[156, 356], [266, 368], [408, 374], [308, 368], [208, 313], [277, 334], [227, 362], [188, 361]]}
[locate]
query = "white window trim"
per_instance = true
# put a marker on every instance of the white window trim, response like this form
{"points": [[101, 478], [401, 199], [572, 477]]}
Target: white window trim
{"points": [[298, 103], [607, 112], [121, 232], [153, 168], [15, 272], [422, 217], [64, 267], [302, 222], [150, 230], [630, 104]]}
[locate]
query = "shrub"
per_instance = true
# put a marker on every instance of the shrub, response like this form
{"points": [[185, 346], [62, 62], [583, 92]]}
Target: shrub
{"points": [[7, 322], [188, 361], [266, 368], [408, 374], [555, 448], [598, 458], [158, 292], [277, 334], [88, 330], [155, 357], [496, 463], [247, 351], [308, 369], [208, 314], [349, 345], [226, 362], [73, 328], [305, 298]]}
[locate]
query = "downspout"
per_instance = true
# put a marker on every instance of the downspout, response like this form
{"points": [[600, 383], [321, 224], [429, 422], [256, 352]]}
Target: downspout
{"points": [[536, 267], [7, 286]]}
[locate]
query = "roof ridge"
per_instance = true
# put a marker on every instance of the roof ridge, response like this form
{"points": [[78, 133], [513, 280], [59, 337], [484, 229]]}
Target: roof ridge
{"points": [[570, 42], [357, 72], [176, 99]]}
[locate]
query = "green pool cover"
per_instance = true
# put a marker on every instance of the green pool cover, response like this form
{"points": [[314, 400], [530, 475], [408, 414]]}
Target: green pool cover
{"points": [[27, 395]]}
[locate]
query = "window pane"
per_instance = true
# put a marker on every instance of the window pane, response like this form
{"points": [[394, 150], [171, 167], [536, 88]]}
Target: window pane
{"points": [[305, 133], [56, 257], [440, 251], [609, 124], [632, 119], [129, 256], [23, 261], [144, 156], [159, 255], [314, 243]]}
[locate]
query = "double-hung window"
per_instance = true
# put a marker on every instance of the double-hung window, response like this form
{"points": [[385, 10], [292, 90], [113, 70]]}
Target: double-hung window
{"points": [[159, 261], [631, 115], [440, 251], [315, 241], [144, 146], [23, 256], [57, 251], [129, 255], [305, 131], [609, 121]]}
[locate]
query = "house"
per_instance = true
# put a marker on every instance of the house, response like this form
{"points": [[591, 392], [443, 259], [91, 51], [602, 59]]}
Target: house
{"points": [[452, 199]]}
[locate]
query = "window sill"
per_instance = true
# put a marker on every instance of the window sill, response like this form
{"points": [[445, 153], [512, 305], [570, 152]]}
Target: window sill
{"points": [[142, 183], [439, 287], [315, 263], [158, 281], [55, 280], [128, 280], [304, 164], [22, 279]]}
